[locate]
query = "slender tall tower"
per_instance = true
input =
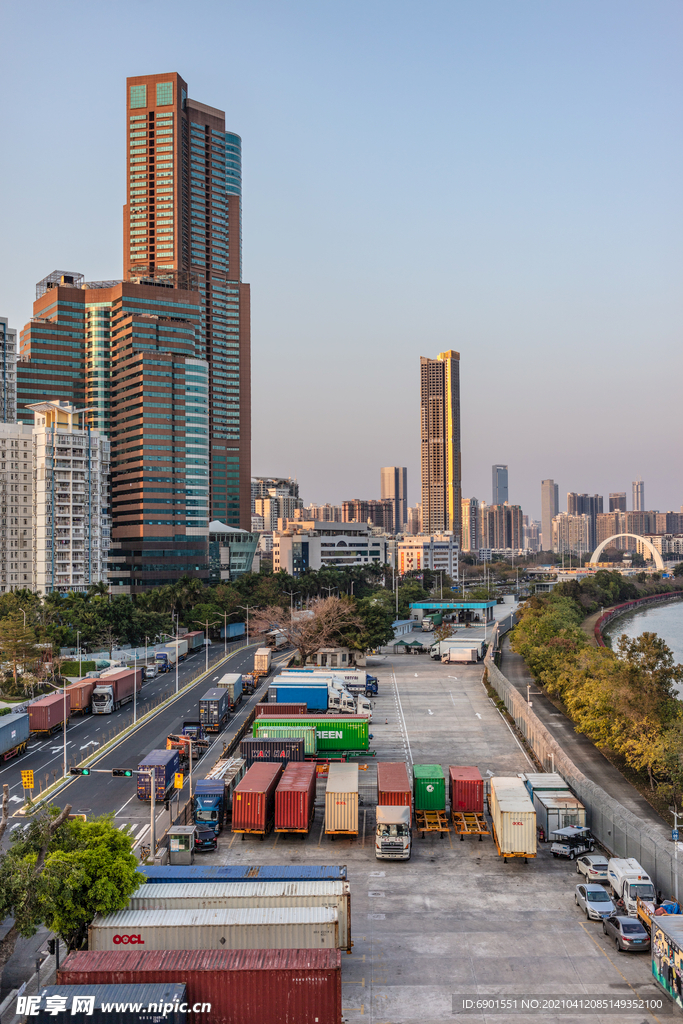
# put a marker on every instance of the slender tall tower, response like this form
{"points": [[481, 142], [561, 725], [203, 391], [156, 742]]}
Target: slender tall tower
{"points": [[394, 484], [499, 485], [638, 495], [550, 507], [182, 227], [440, 430]]}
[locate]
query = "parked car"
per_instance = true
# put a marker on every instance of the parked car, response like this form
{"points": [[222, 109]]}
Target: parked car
{"points": [[628, 935], [593, 867], [594, 899], [205, 839]]}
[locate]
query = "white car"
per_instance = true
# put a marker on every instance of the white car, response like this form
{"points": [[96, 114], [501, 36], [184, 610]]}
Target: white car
{"points": [[594, 899], [592, 866]]}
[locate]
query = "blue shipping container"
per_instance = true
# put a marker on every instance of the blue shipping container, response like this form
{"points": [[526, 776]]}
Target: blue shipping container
{"points": [[14, 732], [314, 697], [244, 873], [234, 629], [165, 763]]}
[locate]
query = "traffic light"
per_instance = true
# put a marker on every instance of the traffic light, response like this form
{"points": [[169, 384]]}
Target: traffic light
{"points": [[79, 771], [27, 778], [122, 773], [52, 946]]}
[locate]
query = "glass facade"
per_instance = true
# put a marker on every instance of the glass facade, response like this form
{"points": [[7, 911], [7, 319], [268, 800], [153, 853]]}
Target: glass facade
{"points": [[164, 94], [138, 96]]}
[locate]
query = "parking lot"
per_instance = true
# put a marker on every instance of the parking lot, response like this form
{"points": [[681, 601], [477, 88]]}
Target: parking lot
{"points": [[454, 921]]}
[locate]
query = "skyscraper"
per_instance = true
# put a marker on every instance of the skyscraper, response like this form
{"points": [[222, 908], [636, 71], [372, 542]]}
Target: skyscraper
{"points": [[638, 487], [394, 486], [550, 506], [440, 433], [470, 525], [8, 372], [617, 501], [499, 484], [586, 505], [183, 217]]}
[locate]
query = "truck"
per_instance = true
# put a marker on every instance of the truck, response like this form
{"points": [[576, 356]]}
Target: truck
{"points": [[151, 670], [459, 655], [393, 834], [513, 817], [427, 625], [262, 661], [438, 650], [14, 735], [193, 738], [81, 696], [164, 763], [354, 680], [647, 909], [114, 688], [232, 682], [228, 772], [169, 653], [628, 880], [276, 639], [209, 803], [195, 640], [214, 709], [319, 696], [47, 714]]}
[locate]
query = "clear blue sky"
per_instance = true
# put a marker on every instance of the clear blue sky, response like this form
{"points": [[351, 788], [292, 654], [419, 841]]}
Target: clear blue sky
{"points": [[499, 178]]}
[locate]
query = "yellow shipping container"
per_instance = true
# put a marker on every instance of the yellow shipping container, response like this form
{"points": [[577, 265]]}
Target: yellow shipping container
{"points": [[341, 800], [514, 818]]}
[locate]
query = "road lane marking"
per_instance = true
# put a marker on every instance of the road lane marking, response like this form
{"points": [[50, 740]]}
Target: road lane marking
{"points": [[125, 805]]}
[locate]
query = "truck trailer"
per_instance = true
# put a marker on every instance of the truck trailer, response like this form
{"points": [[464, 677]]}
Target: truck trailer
{"points": [[14, 735], [114, 688]]}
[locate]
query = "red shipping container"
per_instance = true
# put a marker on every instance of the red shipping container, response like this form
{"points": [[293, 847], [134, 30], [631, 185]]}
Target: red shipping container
{"points": [[252, 986], [295, 798], [281, 709], [253, 799], [47, 714], [81, 695], [466, 788], [393, 785]]}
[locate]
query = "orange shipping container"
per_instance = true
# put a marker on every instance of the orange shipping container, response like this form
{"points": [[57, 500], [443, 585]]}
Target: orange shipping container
{"points": [[393, 785], [47, 714], [80, 693], [253, 800], [295, 798]]}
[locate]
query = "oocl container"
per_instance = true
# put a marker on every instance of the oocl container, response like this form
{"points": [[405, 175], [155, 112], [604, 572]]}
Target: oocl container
{"points": [[253, 800], [249, 928], [121, 1002], [347, 732], [306, 732], [270, 986], [272, 709], [429, 787], [281, 751], [295, 798], [244, 872], [47, 714], [466, 789], [393, 785], [228, 896], [81, 696], [514, 818], [341, 800]]}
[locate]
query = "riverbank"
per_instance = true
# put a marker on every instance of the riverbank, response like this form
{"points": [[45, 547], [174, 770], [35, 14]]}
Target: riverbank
{"points": [[651, 601]]}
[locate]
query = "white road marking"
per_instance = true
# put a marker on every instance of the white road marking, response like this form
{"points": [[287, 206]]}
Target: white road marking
{"points": [[118, 813], [429, 711], [90, 743], [477, 714], [16, 799]]}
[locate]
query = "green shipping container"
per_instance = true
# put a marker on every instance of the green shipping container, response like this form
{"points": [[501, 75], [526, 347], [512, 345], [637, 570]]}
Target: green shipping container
{"points": [[281, 732], [429, 786], [344, 733]]}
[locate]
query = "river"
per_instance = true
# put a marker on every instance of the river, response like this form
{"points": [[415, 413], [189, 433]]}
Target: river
{"points": [[666, 620]]}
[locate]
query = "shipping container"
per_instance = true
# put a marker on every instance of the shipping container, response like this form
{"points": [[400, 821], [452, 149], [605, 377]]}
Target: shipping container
{"points": [[234, 630], [214, 709], [466, 789], [249, 928], [140, 1002], [393, 785], [295, 798], [244, 873], [543, 781], [114, 688], [233, 682], [14, 734], [341, 800], [315, 695], [281, 751], [429, 787], [230, 896], [165, 763], [253, 800], [558, 809], [262, 659], [47, 714], [194, 640], [278, 986], [280, 732], [344, 732], [81, 696], [514, 818], [273, 709]]}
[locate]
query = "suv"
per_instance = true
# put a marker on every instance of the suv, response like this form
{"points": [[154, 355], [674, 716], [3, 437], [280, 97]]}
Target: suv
{"points": [[205, 839]]}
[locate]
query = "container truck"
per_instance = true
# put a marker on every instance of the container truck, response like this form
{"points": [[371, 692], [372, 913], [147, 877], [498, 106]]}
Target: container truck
{"points": [[157, 874], [341, 800], [339, 734], [253, 801], [115, 688], [262, 661], [318, 696], [305, 732], [234, 630], [169, 653], [280, 751], [47, 714], [14, 734], [227, 772], [214, 709], [295, 802], [255, 928], [628, 880], [81, 696], [191, 739], [302, 985], [427, 626], [393, 786], [151, 670], [429, 794], [165, 764], [232, 682], [278, 708], [438, 650], [514, 818], [393, 835], [353, 680], [209, 803], [194, 640]]}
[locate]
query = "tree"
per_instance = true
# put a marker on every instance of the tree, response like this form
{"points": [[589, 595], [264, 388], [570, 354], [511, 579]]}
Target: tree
{"points": [[324, 625], [108, 638], [17, 642], [60, 873]]}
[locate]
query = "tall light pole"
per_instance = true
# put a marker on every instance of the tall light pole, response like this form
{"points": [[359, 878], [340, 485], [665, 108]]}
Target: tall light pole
{"points": [[292, 595], [245, 608], [135, 688], [78, 647], [146, 642], [206, 638]]}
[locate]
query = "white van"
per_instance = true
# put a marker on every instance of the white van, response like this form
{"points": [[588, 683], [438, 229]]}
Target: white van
{"points": [[628, 880]]}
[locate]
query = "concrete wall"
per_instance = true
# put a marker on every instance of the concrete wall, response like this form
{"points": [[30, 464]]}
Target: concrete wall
{"points": [[620, 831]]}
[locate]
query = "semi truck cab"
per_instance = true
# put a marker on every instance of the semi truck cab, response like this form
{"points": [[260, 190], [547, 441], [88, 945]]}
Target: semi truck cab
{"points": [[393, 835]]}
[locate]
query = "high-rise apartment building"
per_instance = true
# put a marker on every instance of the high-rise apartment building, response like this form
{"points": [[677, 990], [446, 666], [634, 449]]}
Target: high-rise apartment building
{"points": [[638, 489], [183, 216], [550, 506], [266, 486], [617, 501], [571, 534], [502, 527], [323, 513], [8, 372], [499, 485], [470, 520], [414, 519], [586, 505], [394, 488], [16, 506], [440, 443]]}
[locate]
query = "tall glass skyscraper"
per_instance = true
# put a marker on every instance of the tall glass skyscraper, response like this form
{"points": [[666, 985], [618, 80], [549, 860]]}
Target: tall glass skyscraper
{"points": [[440, 436]]}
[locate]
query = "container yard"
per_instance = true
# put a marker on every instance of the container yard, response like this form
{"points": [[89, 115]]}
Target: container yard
{"points": [[158, 874], [253, 801], [295, 799]]}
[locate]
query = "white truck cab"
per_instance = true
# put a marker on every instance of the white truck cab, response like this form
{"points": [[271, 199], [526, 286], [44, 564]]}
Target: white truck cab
{"points": [[364, 707], [628, 881], [393, 836]]}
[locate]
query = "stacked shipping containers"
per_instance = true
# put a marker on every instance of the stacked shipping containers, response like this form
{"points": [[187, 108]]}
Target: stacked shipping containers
{"points": [[306, 732], [345, 732], [280, 751], [272, 709]]}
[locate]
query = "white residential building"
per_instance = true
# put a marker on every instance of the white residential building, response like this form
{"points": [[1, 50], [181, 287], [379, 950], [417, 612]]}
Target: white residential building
{"points": [[8, 372], [313, 544], [16, 506], [438, 552], [571, 534], [71, 522]]}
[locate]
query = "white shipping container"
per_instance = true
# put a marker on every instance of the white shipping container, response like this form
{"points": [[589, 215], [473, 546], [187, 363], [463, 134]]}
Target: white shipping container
{"points": [[235, 896], [255, 928], [341, 799], [557, 809], [514, 817]]}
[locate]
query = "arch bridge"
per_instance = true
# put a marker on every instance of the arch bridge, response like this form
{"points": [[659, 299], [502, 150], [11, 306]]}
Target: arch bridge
{"points": [[595, 557]]}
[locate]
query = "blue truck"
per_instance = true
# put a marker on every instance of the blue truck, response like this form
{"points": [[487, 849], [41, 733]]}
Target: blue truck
{"points": [[352, 679], [209, 803], [165, 764]]}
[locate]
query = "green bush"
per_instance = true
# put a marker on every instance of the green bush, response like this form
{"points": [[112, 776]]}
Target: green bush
{"points": [[72, 668]]}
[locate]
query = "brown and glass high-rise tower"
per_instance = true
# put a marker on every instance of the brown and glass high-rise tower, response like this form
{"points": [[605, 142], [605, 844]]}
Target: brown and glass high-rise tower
{"points": [[440, 436], [182, 226]]}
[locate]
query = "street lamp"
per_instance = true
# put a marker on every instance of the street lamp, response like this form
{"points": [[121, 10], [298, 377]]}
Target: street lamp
{"points": [[245, 608], [78, 647], [206, 638], [292, 595]]}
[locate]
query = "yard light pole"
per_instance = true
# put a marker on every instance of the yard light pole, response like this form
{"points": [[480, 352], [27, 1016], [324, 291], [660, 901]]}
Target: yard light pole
{"points": [[135, 688]]}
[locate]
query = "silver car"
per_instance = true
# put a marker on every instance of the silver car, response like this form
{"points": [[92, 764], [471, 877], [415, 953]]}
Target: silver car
{"points": [[628, 935], [594, 899], [592, 866]]}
